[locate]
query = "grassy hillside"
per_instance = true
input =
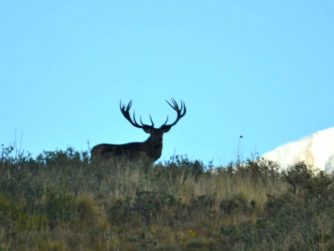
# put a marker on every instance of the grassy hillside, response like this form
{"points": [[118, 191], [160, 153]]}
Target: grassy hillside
{"points": [[61, 201]]}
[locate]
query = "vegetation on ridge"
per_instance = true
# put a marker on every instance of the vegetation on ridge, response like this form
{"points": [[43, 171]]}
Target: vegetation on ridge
{"points": [[61, 201]]}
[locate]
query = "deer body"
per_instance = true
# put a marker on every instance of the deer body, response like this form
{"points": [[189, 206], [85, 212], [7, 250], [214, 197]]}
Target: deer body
{"points": [[151, 148], [132, 151]]}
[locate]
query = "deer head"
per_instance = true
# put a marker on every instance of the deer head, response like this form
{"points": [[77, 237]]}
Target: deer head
{"points": [[152, 147]]}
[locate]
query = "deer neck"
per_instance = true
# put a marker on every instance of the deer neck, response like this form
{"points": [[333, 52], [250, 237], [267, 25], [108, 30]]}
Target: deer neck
{"points": [[153, 146]]}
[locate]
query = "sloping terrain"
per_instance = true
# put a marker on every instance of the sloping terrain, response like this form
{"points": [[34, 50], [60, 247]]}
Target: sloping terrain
{"points": [[61, 201]]}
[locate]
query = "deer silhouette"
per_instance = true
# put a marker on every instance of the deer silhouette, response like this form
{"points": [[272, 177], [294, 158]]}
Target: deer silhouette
{"points": [[150, 148]]}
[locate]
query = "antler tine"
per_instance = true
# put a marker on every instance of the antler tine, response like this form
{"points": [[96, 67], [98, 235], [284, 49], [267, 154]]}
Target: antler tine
{"points": [[175, 103], [172, 105], [126, 113], [180, 111], [165, 122], [125, 108], [143, 124], [129, 105], [134, 118], [183, 105], [151, 121]]}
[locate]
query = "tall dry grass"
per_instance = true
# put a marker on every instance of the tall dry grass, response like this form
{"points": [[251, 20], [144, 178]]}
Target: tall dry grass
{"points": [[61, 201]]}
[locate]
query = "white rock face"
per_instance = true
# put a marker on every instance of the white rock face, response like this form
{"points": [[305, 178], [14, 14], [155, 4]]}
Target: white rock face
{"points": [[316, 151]]}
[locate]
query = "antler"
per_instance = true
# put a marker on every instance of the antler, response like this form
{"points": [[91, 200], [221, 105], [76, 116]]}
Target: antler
{"points": [[180, 112], [126, 113]]}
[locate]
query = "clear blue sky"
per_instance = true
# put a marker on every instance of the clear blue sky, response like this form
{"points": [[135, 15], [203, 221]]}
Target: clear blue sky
{"points": [[261, 69]]}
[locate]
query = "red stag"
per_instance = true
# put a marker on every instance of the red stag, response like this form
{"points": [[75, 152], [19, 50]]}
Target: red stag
{"points": [[151, 148]]}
